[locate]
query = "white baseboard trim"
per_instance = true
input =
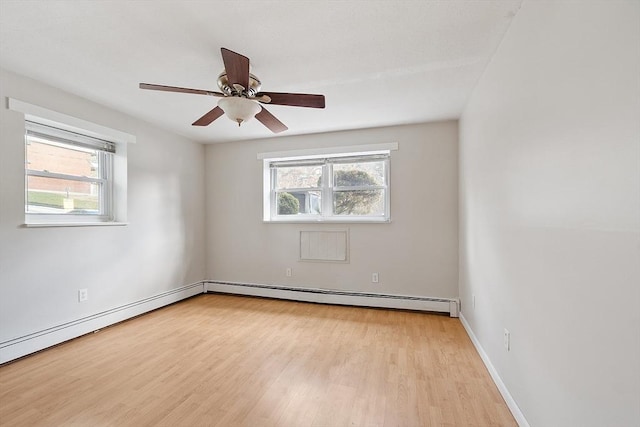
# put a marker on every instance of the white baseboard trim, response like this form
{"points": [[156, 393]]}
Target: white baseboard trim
{"points": [[36, 341], [511, 403], [329, 296]]}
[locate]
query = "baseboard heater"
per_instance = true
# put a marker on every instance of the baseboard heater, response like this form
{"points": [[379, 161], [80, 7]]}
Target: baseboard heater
{"points": [[39, 340], [330, 296]]}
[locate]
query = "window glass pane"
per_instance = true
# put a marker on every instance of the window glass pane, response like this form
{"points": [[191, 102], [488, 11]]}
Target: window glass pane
{"points": [[358, 174], [299, 202], [62, 196], [298, 177], [59, 158], [358, 202]]}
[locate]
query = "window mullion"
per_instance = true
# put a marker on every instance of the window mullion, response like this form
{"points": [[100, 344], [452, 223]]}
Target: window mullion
{"points": [[102, 189], [360, 188], [273, 194], [294, 190], [45, 174], [327, 193], [387, 192]]}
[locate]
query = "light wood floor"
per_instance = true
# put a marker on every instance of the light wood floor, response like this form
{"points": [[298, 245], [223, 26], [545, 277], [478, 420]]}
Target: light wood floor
{"points": [[217, 360]]}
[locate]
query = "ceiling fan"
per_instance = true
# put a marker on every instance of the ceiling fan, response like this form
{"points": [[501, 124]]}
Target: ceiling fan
{"points": [[241, 96]]}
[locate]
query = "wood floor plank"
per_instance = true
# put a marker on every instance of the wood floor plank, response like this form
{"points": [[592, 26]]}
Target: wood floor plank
{"points": [[221, 360]]}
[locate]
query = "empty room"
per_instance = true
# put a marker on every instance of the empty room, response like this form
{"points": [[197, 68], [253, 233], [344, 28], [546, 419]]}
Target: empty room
{"points": [[320, 213]]}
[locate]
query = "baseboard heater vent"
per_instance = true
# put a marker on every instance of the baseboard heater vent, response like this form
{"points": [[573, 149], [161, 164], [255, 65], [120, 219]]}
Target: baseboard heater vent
{"points": [[330, 296]]}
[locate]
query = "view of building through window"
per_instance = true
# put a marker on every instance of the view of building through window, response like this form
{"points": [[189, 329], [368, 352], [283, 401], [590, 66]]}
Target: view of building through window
{"points": [[303, 189], [58, 195]]}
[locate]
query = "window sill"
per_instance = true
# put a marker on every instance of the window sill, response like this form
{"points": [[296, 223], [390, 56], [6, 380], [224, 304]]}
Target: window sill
{"points": [[72, 224], [327, 221]]}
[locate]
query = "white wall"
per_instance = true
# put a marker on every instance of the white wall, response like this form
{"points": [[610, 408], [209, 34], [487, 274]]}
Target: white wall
{"points": [[416, 254], [550, 212], [162, 248]]}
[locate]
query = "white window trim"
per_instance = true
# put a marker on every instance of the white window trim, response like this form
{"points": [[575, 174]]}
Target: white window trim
{"points": [[355, 150], [37, 114], [316, 153]]}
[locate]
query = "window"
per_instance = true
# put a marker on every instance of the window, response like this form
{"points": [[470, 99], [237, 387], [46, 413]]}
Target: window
{"points": [[337, 187], [67, 174], [75, 170]]}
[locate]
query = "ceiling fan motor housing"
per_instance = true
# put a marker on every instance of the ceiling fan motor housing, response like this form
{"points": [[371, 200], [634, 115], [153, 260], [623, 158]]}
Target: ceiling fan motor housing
{"points": [[227, 89]]}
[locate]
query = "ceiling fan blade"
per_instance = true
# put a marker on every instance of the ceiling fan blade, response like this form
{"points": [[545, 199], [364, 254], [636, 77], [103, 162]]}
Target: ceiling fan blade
{"points": [[179, 89], [209, 117], [270, 121], [294, 99], [237, 68]]}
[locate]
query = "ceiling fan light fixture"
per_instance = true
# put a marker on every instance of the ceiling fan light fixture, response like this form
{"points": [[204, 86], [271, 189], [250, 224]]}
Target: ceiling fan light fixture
{"points": [[239, 109]]}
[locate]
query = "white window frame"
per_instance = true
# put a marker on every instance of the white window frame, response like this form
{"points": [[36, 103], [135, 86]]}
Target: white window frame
{"points": [[104, 150], [327, 157], [117, 187]]}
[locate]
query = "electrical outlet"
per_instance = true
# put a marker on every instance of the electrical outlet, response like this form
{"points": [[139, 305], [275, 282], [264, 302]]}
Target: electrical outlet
{"points": [[288, 272], [83, 295], [374, 278], [507, 340]]}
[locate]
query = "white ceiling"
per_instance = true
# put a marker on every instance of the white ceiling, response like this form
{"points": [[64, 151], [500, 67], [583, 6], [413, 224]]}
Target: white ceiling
{"points": [[378, 63]]}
